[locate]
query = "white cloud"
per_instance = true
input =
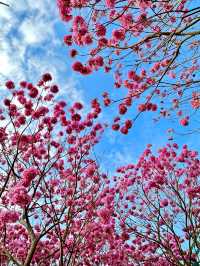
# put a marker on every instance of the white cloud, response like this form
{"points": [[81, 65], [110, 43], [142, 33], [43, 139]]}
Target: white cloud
{"points": [[34, 32], [6, 65], [72, 93], [10, 64], [29, 46], [5, 12], [19, 33], [18, 6]]}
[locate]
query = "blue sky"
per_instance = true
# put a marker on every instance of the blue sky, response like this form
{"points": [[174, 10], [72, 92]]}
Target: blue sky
{"points": [[31, 43]]}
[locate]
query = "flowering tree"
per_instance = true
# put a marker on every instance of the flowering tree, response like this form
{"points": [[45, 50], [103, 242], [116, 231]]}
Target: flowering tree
{"points": [[151, 46], [56, 208], [159, 207]]}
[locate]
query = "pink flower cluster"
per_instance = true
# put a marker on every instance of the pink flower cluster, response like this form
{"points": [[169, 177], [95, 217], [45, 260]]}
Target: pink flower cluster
{"points": [[7, 216], [28, 175], [19, 196], [124, 38]]}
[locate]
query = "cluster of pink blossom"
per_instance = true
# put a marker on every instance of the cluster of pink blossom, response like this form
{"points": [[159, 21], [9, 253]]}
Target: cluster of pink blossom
{"points": [[8, 216], [55, 197], [28, 175], [130, 38], [156, 196], [56, 202], [19, 196]]}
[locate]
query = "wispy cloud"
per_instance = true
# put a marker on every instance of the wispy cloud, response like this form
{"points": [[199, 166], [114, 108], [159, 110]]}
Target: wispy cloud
{"points": [[30, 46]]}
